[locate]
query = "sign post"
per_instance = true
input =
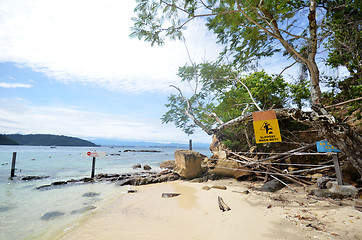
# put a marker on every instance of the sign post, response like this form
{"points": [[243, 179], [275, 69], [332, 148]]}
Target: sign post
{"points": [[93, 167], [266, 127], [12, 172], [94, 155], [325, 146]]}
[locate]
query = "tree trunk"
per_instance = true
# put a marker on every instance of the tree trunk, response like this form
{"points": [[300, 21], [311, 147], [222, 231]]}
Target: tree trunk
{"points": [[315, 91]]}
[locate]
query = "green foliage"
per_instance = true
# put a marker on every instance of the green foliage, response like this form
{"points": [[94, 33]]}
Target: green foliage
{"points": [[218, 90], [234, 138], [268, 91], [299, 92], [238, 25], [343, 22]]}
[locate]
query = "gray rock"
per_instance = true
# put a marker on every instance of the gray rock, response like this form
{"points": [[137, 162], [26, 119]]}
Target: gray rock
{"points": [[90, 194], [271, 186], [321, 182], [345, 190], [51, 215], [83, 209], [4, 208], [325, 193]]}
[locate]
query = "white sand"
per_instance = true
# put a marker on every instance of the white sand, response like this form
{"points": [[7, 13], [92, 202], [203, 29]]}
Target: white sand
{"points": [[195, 215]]}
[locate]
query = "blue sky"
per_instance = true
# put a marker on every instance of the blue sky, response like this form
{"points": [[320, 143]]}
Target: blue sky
{"points": [[69, 68]]}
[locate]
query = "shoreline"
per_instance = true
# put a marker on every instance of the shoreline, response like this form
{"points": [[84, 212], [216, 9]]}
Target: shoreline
{"points": [[195, 214]]}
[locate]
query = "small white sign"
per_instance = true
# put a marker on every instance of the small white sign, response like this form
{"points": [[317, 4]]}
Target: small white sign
{"points": [[94, 154]]}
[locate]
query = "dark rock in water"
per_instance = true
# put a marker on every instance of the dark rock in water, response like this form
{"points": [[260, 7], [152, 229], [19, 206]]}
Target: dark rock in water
{"points": [[83, 209], [115, 154], [137, 166], [59, 183], [90, 194], [153, 151], [91, 201], [51, 215], [147, 167], [44, 187], [30, 178], [271, 186], [4, 208]]}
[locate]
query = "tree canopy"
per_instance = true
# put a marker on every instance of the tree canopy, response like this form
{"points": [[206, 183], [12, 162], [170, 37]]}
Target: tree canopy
{"points": [[253, 29]]}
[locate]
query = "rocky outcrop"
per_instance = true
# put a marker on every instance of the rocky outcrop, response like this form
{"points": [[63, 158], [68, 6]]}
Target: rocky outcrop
{"points": [[144, 179], [140, 178], [188, 163], [169, 164]]}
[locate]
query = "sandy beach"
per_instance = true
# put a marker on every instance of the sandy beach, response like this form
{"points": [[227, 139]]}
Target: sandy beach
{"points": [[195, 214]]}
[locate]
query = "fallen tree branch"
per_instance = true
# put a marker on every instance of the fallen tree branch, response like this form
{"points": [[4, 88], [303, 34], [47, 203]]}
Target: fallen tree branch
{"points": [[345, 102], [283, 183]]}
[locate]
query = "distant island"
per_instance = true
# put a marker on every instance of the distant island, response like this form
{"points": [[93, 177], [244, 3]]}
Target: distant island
{"points": [[43, 140], [4, 140]]}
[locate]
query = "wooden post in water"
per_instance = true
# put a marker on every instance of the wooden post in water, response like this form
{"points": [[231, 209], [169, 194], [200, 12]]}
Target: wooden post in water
{"points": [[190, 144], [338, 169], [93, 167], [12, 172]]}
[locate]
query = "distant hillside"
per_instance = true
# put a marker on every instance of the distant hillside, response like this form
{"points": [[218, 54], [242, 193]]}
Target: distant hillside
{"points": [[7, 141], [49, 140], [109, 142]]}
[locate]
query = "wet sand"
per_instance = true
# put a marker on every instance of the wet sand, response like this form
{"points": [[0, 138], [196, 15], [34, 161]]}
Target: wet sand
{"points": [[195, 214]]}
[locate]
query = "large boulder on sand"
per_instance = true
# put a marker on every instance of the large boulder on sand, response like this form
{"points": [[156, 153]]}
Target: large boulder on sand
{"points": [[225, 168], [188, 163]]}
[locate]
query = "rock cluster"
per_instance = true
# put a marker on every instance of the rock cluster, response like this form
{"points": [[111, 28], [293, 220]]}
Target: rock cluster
{"points": [[329, 189]]}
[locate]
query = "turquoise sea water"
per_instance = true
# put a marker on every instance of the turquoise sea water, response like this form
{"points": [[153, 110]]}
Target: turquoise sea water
{"points": [[22, 205]]}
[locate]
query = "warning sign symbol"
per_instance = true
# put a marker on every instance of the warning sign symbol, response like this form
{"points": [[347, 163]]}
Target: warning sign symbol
{"points": [[267, 127]]}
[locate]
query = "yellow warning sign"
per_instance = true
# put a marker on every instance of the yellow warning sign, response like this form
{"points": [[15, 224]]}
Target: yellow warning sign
{"points": [[266, 127]]}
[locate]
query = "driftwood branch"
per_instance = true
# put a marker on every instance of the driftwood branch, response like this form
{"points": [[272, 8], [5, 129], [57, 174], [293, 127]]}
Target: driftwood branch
{"points": [[222, 205]]}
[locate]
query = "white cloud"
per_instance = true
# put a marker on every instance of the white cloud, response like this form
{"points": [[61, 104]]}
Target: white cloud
{"points": [[14, 85], [19, 117], [88, 40]]}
